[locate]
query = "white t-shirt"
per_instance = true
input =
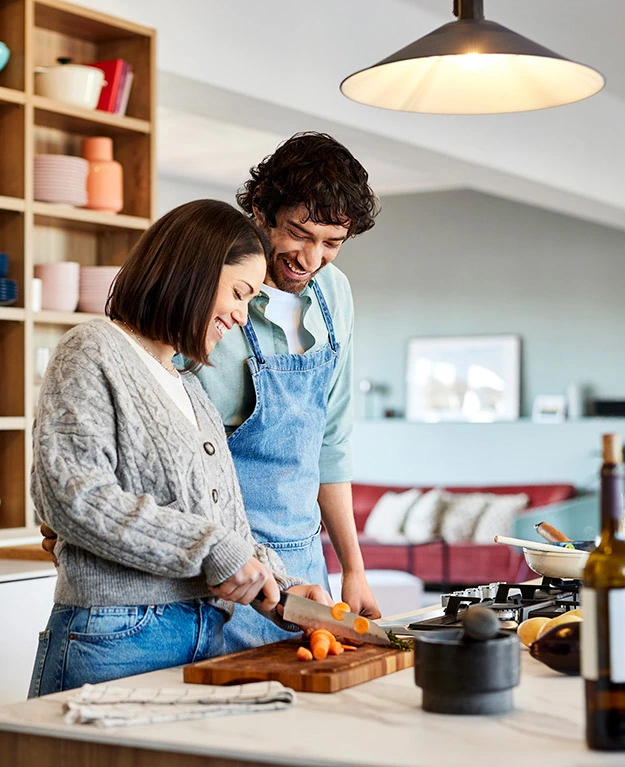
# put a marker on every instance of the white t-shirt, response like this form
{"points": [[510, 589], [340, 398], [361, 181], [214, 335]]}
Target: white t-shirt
{"points": [[173, 386], [285, 310]]}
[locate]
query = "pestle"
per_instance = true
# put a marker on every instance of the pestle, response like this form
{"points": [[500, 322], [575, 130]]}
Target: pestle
{"points": [[480, 624]]}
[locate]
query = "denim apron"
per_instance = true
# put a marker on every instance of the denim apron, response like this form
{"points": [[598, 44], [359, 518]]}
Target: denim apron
{"points": [[276, 454]]}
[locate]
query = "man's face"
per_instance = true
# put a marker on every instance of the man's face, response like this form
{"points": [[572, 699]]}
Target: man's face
{"points": [[300, 248]]}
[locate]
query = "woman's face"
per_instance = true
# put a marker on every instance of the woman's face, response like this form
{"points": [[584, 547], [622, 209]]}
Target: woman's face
{"points": [[238, 284]]}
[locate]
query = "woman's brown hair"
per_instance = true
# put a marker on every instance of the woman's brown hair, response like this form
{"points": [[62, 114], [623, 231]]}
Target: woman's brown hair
{"points": [[166, 289]]}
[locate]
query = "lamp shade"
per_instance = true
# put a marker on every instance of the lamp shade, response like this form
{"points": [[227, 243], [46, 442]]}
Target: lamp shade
{"points": [[472, 66]]}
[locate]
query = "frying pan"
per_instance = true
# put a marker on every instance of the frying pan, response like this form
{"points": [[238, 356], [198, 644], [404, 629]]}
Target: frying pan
{"points": [[551, 560]]}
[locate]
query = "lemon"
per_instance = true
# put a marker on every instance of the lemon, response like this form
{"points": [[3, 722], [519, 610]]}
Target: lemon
{"points": [[528, 630], [569, 617]]}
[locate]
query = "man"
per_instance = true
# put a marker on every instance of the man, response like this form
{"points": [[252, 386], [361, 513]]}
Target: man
{"points": [[283, 384]]}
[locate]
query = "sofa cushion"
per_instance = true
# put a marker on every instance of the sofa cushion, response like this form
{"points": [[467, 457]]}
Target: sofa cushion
{"points": [[386, 521], [422, 523], [460, 514], [498, 517]]}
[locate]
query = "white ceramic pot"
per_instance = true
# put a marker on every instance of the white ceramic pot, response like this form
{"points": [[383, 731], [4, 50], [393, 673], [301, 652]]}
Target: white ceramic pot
{"points": [[71, 83], [568, 564]]}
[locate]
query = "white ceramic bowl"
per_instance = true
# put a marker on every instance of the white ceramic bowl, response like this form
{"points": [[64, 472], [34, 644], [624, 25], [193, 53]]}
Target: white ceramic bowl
{"points": [[71, 83], [568, 564]]}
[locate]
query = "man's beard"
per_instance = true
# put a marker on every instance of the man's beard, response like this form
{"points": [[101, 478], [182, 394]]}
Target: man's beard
{"points": [[275, 270]]}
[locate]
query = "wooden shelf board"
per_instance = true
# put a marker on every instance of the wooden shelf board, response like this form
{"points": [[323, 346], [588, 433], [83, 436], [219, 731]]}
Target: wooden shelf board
{"points": [[47, 214], [55, 114], [64, 318], [12, 424], [12, 313], [75, 21], [12, 203], [11, 96]]}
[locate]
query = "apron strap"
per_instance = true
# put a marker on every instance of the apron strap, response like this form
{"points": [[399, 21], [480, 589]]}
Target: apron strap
{"points": [[252, 338], [326, 316]]}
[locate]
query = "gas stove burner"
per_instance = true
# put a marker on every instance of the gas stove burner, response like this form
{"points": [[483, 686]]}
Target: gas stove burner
{"points": [[513, 603]]}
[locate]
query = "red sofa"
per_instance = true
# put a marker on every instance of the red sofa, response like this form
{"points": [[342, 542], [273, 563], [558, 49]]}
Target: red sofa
{"points": [[438, 562]]}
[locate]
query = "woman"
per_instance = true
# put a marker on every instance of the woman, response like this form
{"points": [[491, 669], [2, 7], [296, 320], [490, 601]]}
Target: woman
{"points": [[132, 470]]}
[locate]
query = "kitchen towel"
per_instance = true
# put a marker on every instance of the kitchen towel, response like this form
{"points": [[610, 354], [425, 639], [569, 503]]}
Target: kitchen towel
{"points": [[110, 706]]}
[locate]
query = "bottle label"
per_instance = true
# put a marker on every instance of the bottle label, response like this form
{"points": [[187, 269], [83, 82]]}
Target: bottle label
{"points": [[590, 640]]}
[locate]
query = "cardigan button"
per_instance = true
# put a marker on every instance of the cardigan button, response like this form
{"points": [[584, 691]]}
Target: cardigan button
{"points": [[215, 496], [210, 448]]}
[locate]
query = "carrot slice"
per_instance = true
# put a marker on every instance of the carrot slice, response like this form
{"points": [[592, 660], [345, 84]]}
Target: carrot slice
{"points": [[336, 648], [339, 610], [348, 647], [303, 653], [361, 625], [320, 643]]}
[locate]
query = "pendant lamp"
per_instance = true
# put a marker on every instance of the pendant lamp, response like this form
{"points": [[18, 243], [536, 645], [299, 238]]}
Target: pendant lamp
{"points": [[472, 66]]}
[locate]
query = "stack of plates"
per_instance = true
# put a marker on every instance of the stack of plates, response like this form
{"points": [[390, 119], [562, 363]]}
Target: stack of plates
{"points": [[95, 284], [59, 285], [8, 292], [61, 179], [8, 288]]}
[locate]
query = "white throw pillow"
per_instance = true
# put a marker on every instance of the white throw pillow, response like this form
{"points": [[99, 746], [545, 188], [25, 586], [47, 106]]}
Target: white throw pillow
{"points": [[386, 519], [498, 517], [423, 519], [460, 515]]}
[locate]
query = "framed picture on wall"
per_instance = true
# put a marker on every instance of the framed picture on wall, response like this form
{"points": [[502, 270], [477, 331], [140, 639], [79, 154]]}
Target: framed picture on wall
{"points": [[463, 378]]}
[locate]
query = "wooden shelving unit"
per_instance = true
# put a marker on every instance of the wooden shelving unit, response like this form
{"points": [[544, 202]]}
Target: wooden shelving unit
{"points": [[33, 232]]}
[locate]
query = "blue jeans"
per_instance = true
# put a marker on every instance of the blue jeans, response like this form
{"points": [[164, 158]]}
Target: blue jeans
{"points": [[96, 644]]}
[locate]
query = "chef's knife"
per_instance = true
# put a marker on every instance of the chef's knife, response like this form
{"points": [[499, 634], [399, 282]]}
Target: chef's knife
{"points": [[310, 614]]}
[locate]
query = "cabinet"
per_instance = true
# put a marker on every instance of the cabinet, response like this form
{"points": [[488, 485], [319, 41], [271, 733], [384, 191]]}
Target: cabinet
{"points": [[32, 232]]}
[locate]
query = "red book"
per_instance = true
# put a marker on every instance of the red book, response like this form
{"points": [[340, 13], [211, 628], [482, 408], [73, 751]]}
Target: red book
{"points": [[112, 75]]}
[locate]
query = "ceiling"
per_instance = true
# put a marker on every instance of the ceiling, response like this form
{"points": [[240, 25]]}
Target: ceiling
{"points": [[237, 78]]}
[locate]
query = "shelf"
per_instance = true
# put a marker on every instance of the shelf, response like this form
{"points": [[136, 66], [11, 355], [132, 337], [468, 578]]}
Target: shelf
{"points": [[12, 203], [12, 424], [12, 96], [69, 19], [88, 122], [64, 318], [48, 214], [12, 313]]}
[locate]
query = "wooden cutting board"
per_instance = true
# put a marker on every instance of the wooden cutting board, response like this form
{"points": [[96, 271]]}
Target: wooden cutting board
{"points": [[278, 661]]}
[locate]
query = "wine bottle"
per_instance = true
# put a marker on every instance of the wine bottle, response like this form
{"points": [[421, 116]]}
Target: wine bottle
{"points": [[603, 606]]}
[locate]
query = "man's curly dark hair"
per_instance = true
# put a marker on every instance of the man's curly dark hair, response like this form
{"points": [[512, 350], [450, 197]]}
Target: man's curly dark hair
{"points": [[314, 170]]}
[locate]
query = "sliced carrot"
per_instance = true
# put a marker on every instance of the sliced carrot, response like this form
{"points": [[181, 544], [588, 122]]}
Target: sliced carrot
{"points": [[336, 648], [339, 610], [320, 643], [348, 647], [303, 653], [361, 625]]}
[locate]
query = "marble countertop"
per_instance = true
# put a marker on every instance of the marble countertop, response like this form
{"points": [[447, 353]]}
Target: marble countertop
{"points": [[24, 569], [376, 724]]}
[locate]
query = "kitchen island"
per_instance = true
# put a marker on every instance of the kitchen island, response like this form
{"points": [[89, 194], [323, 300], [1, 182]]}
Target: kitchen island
{"points": [[376, 724]]}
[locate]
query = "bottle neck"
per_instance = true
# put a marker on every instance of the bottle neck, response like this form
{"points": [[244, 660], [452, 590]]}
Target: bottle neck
{"points": [[611, 499]]}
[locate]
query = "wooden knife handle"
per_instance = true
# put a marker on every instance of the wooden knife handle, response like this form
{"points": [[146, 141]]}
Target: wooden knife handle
{"points": [[550, 533]]}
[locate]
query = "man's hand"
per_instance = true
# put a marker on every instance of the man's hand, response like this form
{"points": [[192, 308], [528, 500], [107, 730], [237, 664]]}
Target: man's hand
{"points": [[49, 541], [244, 585], [357, 594]]}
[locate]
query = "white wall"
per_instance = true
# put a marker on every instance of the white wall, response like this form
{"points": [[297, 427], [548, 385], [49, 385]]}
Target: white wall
{"points": [[176, 191], [456, 263]]}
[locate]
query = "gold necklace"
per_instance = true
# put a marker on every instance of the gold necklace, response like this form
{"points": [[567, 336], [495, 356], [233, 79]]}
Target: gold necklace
{"points": [[171, 370]]}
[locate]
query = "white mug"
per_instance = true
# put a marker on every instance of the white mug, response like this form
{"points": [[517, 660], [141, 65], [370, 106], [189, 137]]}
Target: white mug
{"points": [[36, 292]]}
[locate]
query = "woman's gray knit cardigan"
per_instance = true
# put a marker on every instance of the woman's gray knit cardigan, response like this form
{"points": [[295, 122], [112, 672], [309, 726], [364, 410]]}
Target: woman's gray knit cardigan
{"points": [[147, 508]]}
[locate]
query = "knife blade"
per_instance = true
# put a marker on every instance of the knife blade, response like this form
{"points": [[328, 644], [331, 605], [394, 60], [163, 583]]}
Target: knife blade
{"points": [[310, 614]]}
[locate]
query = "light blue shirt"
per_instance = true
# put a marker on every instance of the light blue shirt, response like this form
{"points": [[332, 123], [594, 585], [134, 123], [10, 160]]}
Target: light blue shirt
{"points": [[229, 385]]}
